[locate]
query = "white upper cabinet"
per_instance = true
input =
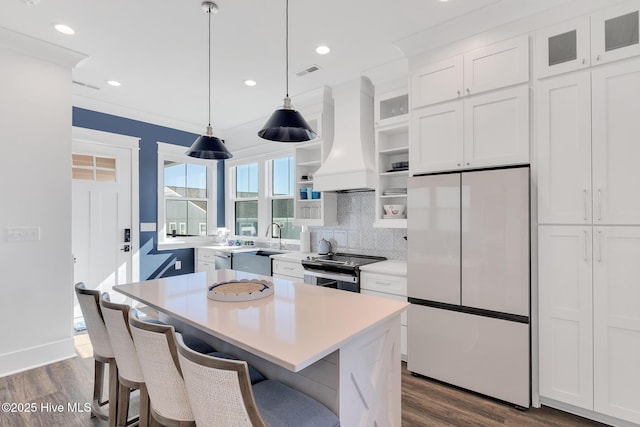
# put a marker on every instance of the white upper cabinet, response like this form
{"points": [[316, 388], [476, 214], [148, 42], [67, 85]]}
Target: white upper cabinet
{"points": [[614, 33], [471, 110], [437, 82], [564, 149], [616, 143], [492, 67], [392, 108], [490, 129], [496, 128], [563, 48], [607, 35], [498, 65], [588, 149], [436, 138]]}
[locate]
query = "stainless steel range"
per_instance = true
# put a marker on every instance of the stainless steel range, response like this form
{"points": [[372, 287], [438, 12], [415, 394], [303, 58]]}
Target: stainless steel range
{"points": [[339, 270]]}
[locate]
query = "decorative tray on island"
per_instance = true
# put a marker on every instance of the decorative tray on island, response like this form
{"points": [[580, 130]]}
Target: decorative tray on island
{"points": [[240, 290]]}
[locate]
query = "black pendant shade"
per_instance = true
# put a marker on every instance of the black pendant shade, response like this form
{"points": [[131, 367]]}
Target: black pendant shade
{"points": [[287, 125], [209, 147]]}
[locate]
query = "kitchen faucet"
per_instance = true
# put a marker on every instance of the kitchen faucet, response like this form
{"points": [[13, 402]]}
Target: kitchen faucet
{"points": [[279, 233]]}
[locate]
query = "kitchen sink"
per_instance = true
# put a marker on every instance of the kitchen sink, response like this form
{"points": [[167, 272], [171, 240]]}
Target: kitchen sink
{"points": [[257, 262]]}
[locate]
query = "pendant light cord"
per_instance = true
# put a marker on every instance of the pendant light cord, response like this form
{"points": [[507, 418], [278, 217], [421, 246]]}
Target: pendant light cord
{"points": [[209, 12], [287, 45]]}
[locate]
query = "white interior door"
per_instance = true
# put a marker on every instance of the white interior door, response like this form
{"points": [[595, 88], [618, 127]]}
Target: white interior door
{"points": [[102, 198]]}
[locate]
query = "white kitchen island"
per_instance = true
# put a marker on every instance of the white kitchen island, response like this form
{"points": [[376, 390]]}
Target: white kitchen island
{"points": [[341, 348]]}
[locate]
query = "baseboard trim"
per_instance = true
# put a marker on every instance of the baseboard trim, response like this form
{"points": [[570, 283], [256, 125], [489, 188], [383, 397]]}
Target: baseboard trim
{"points": [[585, 413], [34, 357]]}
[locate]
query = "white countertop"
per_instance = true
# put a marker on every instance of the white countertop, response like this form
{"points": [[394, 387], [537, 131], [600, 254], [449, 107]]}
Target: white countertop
{"points": [[394, 267], [295, 327]]}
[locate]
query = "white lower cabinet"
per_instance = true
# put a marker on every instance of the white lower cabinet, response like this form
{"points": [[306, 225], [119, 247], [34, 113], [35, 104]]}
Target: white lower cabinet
{"points": [[589, 293], [205, 260], [291, 270], [390, 287]]}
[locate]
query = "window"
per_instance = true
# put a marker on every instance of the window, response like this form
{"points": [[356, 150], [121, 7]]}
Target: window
{"points": [[186, 195], [261, 192], [246, 204], [282, 211]]}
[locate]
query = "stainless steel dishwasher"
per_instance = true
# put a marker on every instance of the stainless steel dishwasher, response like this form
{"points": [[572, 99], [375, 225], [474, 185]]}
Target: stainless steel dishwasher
{"points": [[222, 260]]}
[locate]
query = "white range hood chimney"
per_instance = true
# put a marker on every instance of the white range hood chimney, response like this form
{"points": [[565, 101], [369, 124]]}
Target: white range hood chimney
{"points": [[350, 163]]}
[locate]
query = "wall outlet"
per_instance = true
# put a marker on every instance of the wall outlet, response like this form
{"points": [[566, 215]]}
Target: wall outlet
{"points": [[23, 234], [178, 265]]}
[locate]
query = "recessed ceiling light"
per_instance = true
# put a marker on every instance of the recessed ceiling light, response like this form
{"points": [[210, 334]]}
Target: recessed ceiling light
{"points": [[322, 50], [250, 82], [444, 0], [113, 83], [64, 29]]}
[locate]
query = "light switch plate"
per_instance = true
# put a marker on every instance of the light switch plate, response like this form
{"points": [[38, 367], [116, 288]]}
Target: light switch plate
{"points": [[23, 234]]}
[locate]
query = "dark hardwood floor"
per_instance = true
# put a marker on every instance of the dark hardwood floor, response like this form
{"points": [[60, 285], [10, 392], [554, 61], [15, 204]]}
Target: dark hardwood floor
{"points": [[424, 402]]}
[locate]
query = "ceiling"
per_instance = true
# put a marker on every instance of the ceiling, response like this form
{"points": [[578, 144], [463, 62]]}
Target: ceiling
{"points": [[158, 50]]}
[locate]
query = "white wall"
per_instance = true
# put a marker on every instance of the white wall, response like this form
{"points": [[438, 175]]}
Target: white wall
{"points": [[36, 277]]}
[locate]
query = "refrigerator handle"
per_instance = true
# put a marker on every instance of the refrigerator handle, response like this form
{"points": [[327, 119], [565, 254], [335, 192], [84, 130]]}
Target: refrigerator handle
{"points": [[586, 208]]}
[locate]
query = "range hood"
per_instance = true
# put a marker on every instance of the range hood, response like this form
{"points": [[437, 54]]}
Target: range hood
{"points": [[350, 163]]}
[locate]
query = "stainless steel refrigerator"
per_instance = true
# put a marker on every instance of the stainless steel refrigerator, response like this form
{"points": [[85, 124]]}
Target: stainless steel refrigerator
{"points": [[469, 280]]}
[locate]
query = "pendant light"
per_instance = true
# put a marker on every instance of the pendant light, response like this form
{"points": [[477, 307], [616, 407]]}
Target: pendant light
{"points": [[286, 124], [208, 146]]}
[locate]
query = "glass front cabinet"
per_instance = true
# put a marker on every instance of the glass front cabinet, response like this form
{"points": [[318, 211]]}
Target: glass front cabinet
{"points": [[604, 36]]}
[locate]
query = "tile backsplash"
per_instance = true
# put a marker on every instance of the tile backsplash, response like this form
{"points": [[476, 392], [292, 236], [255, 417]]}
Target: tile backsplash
{"points": [[355, 233]]}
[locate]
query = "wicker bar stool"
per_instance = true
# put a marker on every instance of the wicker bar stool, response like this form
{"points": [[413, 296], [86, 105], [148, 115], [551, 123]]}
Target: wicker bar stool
{"points": [[103, 355], [158, 356], [116, 319], [221, 395]]}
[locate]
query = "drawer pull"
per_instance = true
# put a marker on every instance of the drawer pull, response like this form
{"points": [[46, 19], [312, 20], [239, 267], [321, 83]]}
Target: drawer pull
{"points": [[383, 283]]}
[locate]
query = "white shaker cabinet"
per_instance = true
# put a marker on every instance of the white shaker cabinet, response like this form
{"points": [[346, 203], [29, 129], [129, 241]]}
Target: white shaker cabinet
{"points": [[566, 314], [438, 82], [616, 143], [491, 67], [607, 35], [436, 138], [590, 318], [564, 149], [490, 129], [588, 150], [616, 315], [291, 270]]}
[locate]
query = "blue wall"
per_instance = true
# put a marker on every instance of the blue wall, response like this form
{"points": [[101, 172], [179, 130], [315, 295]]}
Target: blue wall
{"points": [[153, 263]]}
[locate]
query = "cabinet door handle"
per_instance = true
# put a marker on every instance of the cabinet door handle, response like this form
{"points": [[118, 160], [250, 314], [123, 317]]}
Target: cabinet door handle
{"points": [[458, 164], [599, 204], [586, 249], [458, 93], [599, 246], [597, 57], [584, 61], [586, 208], [468, 90], [383, 283]]}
